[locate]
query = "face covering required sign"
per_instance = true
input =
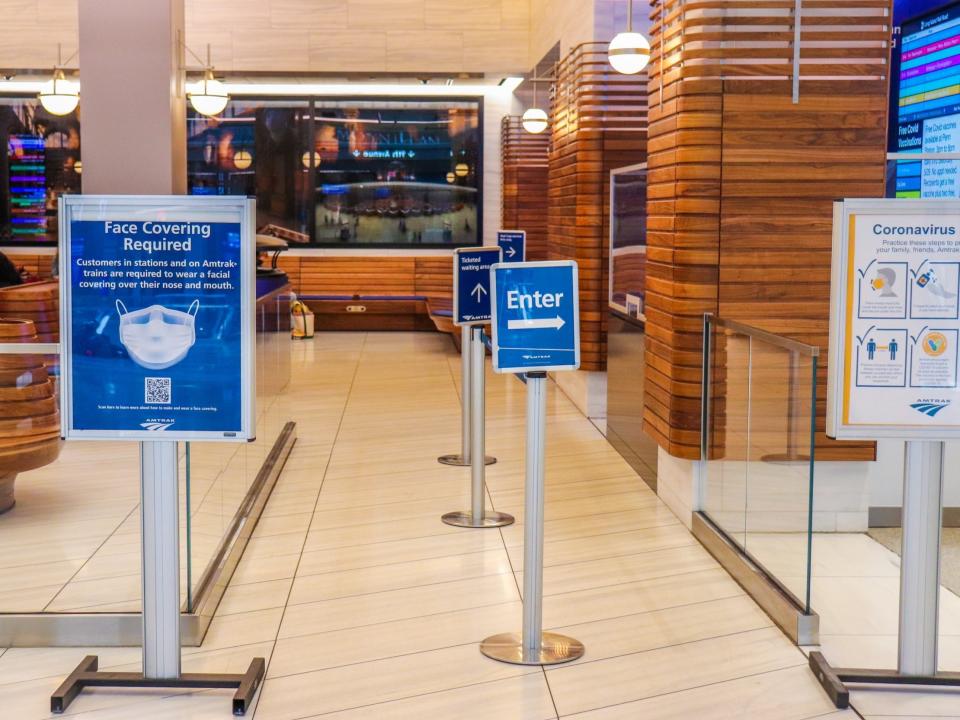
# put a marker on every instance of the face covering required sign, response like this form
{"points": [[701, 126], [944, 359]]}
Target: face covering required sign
{"points": [[158, 326]]}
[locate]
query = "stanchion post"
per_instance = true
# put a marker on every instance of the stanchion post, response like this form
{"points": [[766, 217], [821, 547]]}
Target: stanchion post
{"points": [[466, 415], [920, 558], [477, 517], [533, 646], [160, 528]]}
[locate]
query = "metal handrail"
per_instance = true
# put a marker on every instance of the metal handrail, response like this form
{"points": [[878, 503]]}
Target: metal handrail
{"points": [[767, 337]]}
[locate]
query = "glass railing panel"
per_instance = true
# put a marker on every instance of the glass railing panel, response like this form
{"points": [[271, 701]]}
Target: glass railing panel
{"points": [[222, 474], [728, 431], [779, 488], [758, 448]]}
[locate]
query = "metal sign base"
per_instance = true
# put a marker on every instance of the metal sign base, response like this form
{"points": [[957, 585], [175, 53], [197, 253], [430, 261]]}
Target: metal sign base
{"points": [[554, 649], [460, 461], [464, 518], [834, 680], [160, 549], [919, 585], [86, 675]]}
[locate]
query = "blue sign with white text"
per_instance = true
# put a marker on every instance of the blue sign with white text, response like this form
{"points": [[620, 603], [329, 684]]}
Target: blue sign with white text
{"points": [[471, 281], [536, 318], [514, 245], [156, 325]]}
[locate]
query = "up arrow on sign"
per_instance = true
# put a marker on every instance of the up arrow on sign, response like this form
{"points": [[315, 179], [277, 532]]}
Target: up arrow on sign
{"points": [[479, 291]]}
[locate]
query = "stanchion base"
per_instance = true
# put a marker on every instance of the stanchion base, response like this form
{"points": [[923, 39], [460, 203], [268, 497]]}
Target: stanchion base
{"points": [[554, 649], [86, 675], [833, 680], [464, 518], [458, 461]]}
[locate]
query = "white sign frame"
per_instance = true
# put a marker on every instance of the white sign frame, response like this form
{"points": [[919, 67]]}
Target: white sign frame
{"points": [[495, 336], [238, 209], [841, 391]]}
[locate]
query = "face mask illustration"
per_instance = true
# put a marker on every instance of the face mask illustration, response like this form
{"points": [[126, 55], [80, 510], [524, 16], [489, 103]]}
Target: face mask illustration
{"points": [[157, 337]]}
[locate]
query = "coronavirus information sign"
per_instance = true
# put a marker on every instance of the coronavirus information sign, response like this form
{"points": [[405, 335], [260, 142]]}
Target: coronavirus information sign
{"points": [[157, 321], [895, 320]]}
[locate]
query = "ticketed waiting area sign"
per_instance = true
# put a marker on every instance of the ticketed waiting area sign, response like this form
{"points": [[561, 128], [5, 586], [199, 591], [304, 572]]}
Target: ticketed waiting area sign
{"points": [[895, 320], [536, 316], [471, 284], [157, 314]]}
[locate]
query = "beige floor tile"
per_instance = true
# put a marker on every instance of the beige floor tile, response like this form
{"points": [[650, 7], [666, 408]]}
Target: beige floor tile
{"points": [[254, 596], [589, 685], [326, 691], [362, 581], [521, 698], [402, 637], [790, 694], [381, 607]]}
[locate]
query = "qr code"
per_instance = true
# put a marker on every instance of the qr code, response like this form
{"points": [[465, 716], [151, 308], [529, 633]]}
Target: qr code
{"points": [[156, 391]]}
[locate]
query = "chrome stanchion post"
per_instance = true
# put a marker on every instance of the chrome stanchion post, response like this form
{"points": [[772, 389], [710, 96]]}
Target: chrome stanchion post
{"points": [[463, 459], [477, 517], [920, 558], [533, 646], [159, 528]]}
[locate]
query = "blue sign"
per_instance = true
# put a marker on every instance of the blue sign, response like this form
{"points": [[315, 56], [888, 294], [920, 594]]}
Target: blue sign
{"points": [[158, 320], [536, 316], [471, 284], [514, 245]]}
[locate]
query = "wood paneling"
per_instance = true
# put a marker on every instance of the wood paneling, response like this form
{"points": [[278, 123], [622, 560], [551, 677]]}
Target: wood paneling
{"points": [[598, 123], [742, 180], [525, 184], [34, 263]]}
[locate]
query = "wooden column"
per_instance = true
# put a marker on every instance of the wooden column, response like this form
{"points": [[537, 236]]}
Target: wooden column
{"points": [[598, 123], [742, 180], [525, 159]]}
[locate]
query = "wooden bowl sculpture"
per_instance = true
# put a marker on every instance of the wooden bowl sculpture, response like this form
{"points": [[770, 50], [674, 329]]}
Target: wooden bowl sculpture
{"points": [[29, 418]]}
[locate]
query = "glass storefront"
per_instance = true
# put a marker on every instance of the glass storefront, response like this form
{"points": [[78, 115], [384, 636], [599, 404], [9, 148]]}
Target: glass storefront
{"points": [[335, 173]]}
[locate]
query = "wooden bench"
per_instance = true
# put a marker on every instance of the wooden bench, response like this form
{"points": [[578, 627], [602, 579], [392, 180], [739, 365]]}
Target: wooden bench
{"points": [[374, 292]]}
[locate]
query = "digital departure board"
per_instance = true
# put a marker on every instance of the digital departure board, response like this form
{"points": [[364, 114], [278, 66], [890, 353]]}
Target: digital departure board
{"points": [[927, 103]]}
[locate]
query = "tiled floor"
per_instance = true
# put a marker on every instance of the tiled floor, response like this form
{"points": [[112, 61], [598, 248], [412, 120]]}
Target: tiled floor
{"points": [[367, 606]]}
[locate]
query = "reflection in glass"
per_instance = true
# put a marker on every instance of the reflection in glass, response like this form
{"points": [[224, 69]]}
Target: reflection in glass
{"points": [[40, 160]]}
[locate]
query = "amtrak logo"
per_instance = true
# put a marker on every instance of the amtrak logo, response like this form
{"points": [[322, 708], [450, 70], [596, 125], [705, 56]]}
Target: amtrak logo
{"points": [[929, 407], [155, 426]]}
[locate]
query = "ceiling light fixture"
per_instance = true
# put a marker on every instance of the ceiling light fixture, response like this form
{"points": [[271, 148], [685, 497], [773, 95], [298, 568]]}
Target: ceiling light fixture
{"points": [[535, 120], [58, 95], [242, 159], [629, 52], [208, 96]]}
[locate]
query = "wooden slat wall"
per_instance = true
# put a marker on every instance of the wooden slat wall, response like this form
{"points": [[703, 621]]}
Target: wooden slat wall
{"points": [[598, 123], [430, 276], [525, 182], [34, 263], [742, 180]]}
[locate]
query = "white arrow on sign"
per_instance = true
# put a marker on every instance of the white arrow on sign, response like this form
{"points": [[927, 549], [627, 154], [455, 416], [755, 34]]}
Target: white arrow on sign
{"points": [[524, 324], [479, 291], [511, 252]]}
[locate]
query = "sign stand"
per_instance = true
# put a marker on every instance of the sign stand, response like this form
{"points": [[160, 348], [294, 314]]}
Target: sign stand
{"points": [[536, 329], [160, 543], [477, 517], [533, 646], [919, 585], [463, 459], [896, 274], [161, 389]]}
